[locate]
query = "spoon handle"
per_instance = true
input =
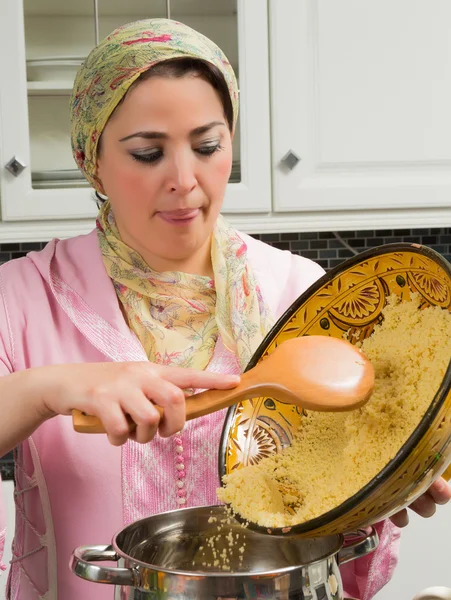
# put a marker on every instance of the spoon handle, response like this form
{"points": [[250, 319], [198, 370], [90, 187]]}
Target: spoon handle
{"points": [[210, 401], [83, 423]]}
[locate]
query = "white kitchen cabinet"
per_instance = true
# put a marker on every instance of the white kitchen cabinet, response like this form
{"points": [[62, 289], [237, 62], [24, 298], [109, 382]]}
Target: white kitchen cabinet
{"points": [[356, 94], [42, 42], [360, 94]]}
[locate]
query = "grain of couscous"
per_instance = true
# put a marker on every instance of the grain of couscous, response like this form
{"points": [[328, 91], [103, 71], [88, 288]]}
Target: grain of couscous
{"points": [[333, 455]]}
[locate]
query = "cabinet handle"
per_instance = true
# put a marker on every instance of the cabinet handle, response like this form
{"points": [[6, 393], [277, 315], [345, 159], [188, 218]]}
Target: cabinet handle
{"points": [[15, 166], [290, 160]]}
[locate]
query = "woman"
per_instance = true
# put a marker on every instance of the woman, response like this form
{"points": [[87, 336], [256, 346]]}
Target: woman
{"points": [[163, 296]]}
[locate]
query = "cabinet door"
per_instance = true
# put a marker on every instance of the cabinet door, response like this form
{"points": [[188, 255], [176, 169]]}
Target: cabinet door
{"points": [[361, 96], [42, 43]]}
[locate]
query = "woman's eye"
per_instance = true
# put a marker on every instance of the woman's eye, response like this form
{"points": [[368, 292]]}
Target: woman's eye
{"points": [[148, 157], [208, 150]]}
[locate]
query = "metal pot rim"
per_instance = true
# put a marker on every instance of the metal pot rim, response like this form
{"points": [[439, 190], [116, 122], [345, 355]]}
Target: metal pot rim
{"points": [[339, 539]]}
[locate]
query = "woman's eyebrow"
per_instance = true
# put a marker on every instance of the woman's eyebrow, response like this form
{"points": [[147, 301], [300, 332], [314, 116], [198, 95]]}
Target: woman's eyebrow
{"points": [[204, 128], [147, 135], [159, 135]]}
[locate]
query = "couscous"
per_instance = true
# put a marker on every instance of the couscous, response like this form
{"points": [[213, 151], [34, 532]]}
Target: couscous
{"points": [[333, 455]]}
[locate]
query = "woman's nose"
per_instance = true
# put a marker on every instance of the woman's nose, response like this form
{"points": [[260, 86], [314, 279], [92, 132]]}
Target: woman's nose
{"points": [[182, 178]]}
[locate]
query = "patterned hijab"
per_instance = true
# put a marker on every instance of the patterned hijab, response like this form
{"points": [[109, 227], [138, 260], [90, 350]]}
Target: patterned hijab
{"points": [[112, 67], [176, 316]]}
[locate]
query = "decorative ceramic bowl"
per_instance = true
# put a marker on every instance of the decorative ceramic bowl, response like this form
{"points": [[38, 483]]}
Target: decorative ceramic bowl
{"points": [[351, 297]]}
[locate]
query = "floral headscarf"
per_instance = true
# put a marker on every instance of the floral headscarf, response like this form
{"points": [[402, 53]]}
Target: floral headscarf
{"points": [[116, 63]]}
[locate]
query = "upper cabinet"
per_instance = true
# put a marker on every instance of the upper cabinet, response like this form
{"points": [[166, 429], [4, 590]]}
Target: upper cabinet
{"points": [[42, 44], [358, 94], [360, 101]]}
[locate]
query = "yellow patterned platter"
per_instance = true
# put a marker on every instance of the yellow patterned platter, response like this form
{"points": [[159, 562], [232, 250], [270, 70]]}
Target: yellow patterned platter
{"points": [[351, 297]]}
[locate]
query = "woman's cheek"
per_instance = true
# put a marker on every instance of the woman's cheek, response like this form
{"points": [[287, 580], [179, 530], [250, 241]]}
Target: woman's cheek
{"points": [[224, 167], [130, 177], [134, 184]]}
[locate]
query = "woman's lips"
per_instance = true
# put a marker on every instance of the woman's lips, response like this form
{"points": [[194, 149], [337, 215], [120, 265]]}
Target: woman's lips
{"points": [[179, 217]]}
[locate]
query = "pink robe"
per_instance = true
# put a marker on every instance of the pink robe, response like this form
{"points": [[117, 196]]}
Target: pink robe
{"points": [[59, 306]]}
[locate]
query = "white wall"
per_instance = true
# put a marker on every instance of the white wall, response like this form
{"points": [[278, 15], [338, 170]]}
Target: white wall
{"points": [[425, 557]]}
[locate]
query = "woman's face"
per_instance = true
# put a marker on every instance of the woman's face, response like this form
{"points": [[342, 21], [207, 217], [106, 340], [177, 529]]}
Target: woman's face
{"points": [[165, 159]]}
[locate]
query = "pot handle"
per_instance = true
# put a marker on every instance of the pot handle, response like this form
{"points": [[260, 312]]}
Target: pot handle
{"points": [[367, 541], [81, 564]]}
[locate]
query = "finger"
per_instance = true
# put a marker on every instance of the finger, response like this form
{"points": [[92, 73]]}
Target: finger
{"points": [[440, 491], [115, 423], [144, 414], [172, 399], [144, 433], [191, 378], [400, 519], [424, 506]]}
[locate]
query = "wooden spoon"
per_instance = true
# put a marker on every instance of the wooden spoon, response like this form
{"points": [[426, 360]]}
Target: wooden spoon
{"points": [[315, 372]]}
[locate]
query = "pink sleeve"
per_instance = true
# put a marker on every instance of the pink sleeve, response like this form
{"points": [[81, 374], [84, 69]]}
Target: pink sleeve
{"points": [[364, 577], [5, 368], [303, 273]]}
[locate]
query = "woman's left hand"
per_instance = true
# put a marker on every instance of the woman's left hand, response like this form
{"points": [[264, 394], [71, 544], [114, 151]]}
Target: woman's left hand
{"points": [[425, 505]]}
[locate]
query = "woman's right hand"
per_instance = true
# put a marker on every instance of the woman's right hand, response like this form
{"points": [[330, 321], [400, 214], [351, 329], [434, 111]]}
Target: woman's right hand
{"points": [[112, 391]]}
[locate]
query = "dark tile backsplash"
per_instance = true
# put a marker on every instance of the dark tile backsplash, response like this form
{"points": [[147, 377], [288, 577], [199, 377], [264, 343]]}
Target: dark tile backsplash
{"points": [[7, 467], [328, 251], [321, 247]]}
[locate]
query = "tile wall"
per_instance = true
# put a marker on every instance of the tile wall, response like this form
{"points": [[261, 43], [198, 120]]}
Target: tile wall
{"points": [[322, 247]]}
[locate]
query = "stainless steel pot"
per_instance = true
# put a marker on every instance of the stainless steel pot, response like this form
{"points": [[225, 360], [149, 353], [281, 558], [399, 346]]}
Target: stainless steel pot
{"points": [[169, 557]]}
